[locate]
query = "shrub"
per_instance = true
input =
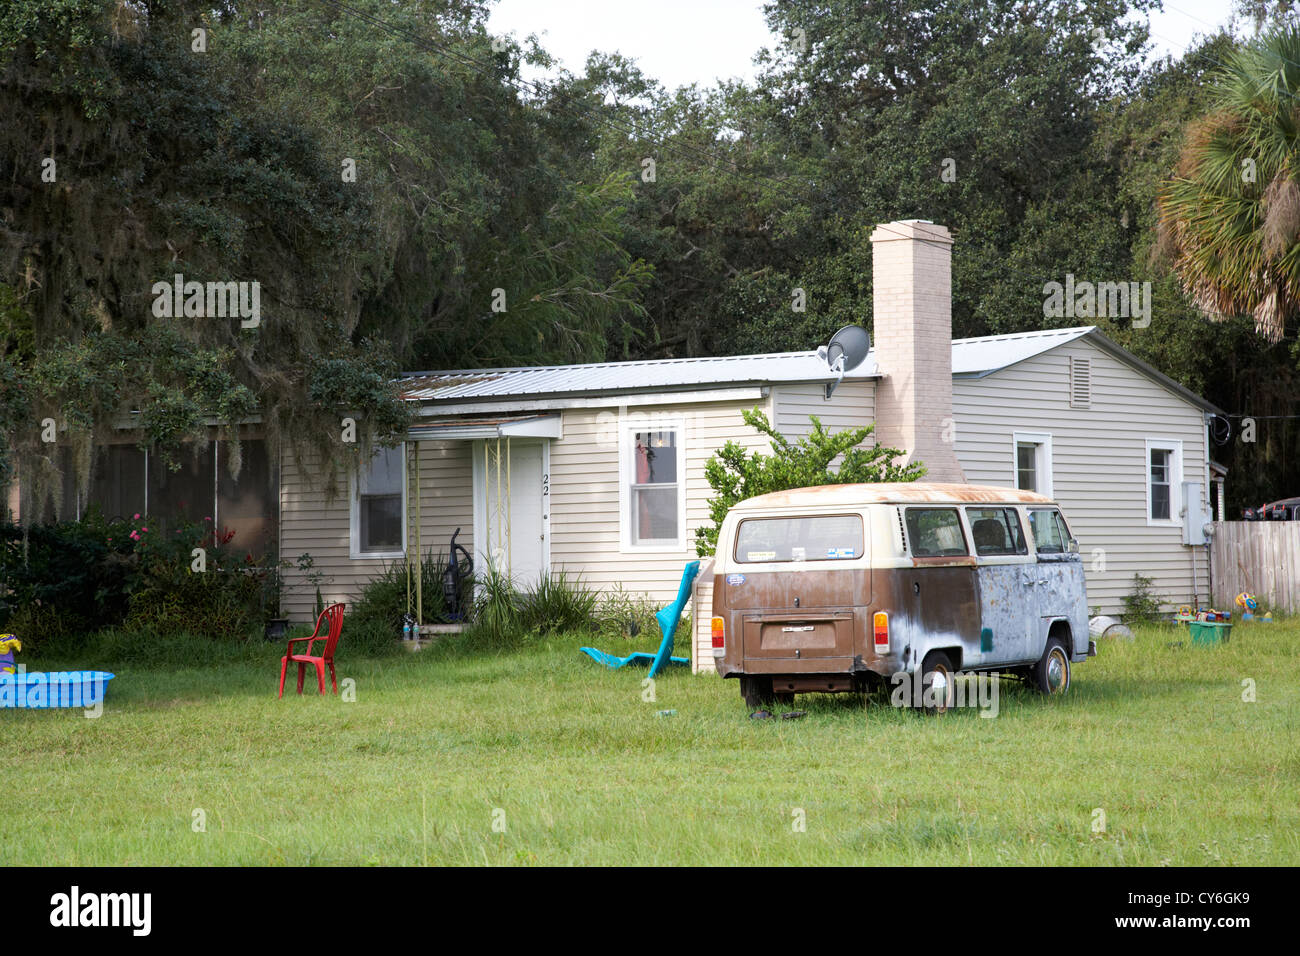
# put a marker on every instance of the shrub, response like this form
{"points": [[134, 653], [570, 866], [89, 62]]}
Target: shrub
{"points": [[85, 575], [624, 614], [1142, 605], [63, 578], [378, 612]]}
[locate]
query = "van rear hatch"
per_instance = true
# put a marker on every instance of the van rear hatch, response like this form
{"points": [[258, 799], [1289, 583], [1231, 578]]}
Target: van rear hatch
{"points": [[800, 591]]}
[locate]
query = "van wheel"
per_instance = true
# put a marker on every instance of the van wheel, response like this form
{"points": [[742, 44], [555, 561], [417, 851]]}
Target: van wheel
{"points": [[757, 691], [936, 672], [1051, 675]]}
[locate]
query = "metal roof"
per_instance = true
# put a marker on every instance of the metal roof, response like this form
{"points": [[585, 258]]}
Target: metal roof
{"points": [[989, 353], [911, 492], [781, 367], [971, 358]]}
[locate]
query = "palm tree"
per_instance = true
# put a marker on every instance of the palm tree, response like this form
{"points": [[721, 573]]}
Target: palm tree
{"points": [[1230, 215]]}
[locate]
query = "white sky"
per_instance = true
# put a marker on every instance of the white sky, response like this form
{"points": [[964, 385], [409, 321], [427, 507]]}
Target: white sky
{"points": [[699, 41]]}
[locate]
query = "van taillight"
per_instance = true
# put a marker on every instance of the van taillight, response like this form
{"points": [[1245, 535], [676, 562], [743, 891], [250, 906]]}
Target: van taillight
{"points": [[880, 628], [719, 637]]}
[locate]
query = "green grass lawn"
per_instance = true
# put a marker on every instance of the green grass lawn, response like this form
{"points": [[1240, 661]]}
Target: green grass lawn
{"points": [[578, 768]]}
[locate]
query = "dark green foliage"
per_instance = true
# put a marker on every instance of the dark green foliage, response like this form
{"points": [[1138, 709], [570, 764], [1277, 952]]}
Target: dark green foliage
{"points": [[63, 579], [736, 475], [82, 576]]}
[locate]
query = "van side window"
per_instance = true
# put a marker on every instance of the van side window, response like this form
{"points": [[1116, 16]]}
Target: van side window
{"points": [[935, 532], [996, 531], [1049, 530]]}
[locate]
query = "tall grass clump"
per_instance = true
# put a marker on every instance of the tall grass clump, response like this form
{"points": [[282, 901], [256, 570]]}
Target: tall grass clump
{"points": [[559, 603]]}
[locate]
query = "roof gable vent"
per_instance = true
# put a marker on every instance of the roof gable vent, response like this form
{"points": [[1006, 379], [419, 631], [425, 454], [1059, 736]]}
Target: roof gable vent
{"points": [[1080, 382]]}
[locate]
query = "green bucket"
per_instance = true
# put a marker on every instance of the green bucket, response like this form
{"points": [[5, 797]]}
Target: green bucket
{"points": [[1210, 632]]}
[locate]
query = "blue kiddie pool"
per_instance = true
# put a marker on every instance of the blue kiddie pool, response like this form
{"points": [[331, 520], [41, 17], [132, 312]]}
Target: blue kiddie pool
{"points": [[39, 690]]}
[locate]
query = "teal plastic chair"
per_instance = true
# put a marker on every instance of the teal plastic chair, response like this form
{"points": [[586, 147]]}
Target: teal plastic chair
{"points": [[668, 619]]}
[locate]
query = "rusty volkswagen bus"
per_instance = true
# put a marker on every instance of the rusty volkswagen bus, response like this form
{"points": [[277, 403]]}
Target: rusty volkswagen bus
{"points": [[840, 587]]}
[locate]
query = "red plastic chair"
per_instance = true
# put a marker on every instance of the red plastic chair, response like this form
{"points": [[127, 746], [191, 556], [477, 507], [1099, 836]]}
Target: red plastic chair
{"points": [[334, 615]]}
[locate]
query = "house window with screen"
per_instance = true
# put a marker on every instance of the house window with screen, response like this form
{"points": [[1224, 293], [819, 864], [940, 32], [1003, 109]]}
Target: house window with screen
{"points": [[377, 526], [1032, 466], [654, 486], [1162, 481], [1026, 466]]}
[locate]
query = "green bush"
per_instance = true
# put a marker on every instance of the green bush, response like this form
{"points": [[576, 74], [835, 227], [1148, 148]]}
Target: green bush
{"points": [[377, 614], [82, 576], [622, 613], [1142, 605], [64, 578]]}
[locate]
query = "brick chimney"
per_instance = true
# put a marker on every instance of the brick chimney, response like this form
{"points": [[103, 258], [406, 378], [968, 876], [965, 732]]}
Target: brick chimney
{"points": [[912, 305]]}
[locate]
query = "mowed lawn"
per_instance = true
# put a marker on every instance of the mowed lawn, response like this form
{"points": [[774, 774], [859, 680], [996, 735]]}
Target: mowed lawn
{"points": [[539, 756]]}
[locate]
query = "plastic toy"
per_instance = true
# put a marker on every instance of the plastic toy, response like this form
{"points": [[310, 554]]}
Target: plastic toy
{"points": [[668, 619], [1247, 602], [8, 644]]}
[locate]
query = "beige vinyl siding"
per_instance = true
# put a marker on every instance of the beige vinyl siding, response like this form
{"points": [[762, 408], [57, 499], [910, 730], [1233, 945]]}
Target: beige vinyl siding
{"points": [[1099, 461], [310, 523], [585, 502], [851, 406]]}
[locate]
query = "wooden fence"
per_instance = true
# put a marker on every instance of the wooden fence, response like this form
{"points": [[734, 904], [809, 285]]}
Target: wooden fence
{"points": [[1262, 557]]}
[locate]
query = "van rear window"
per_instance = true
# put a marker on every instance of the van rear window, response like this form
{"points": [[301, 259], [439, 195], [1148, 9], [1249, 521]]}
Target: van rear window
{"points": [[811, 538]]}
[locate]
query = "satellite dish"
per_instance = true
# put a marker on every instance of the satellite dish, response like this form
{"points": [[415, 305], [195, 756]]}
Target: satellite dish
{"points": [[846, 350]]}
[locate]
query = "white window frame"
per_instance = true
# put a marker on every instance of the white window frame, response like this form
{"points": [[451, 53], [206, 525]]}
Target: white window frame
{"points": [[629, 425], [1042, 460], [354, 517], [1175, 445]]}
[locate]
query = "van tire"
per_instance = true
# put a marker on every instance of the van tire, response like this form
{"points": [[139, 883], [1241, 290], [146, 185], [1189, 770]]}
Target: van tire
{"points": [[1051, 675], [757, 691], [936, 663]]}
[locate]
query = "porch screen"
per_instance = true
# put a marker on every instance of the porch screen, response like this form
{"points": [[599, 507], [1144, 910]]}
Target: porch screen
{"points": [[655, 518]]}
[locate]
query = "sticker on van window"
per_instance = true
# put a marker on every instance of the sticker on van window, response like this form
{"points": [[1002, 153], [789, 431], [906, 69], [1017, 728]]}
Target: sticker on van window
{"points": [[761, 556], [840, 552], [735, 580], [798, 554]]}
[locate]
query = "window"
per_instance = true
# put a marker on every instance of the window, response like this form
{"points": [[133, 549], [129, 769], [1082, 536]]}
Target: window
{"points": [[819, 538], [935, 532], [1033, 462], [1051, 536], [1026, 466], [655, 486], [996, 531], [1164, 472], [378, 528]]}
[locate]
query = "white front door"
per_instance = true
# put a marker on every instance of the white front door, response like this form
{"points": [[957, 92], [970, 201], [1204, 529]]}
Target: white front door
{"points": [[511, 508]]}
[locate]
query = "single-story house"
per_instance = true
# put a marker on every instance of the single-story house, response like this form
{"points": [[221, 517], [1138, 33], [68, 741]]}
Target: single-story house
{"points": [[598, 470]]}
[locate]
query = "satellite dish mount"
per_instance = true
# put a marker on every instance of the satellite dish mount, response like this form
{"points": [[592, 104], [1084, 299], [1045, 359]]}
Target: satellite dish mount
{"points": [[846, 350]]}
